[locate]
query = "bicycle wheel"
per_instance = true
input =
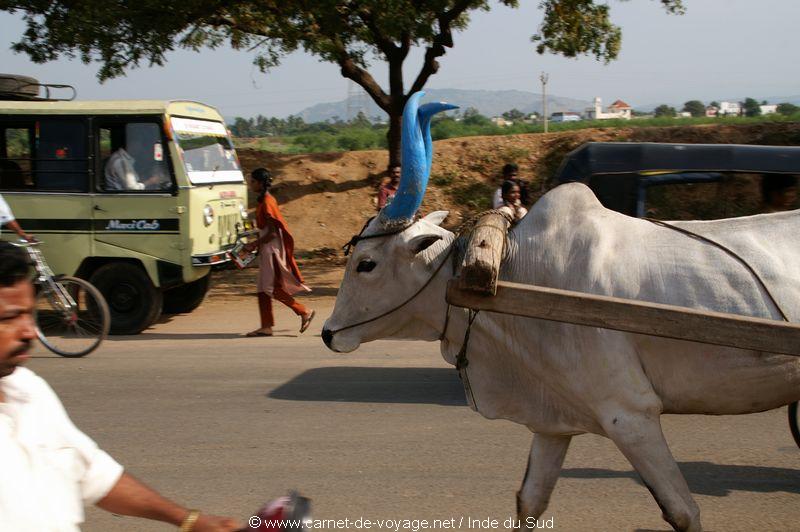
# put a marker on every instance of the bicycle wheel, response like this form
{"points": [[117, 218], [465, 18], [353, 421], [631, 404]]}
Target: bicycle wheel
{"points": [[67, 329], [794, 422]]}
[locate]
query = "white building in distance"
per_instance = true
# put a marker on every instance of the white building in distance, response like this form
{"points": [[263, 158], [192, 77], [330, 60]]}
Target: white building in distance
{"points": [[729, 108], [499, 121], [618, 109], [768, 109]]}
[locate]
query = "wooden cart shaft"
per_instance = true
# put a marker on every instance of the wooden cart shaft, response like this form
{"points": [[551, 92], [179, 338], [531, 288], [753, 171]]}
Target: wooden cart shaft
{"points": [[641, 317]]}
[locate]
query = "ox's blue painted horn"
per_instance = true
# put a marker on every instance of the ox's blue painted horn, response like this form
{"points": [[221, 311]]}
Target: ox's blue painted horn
{"points": [[425, 115], [416, 161]]}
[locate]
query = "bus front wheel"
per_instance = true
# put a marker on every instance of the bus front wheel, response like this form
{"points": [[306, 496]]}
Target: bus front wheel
{"points": [[132, 299]]}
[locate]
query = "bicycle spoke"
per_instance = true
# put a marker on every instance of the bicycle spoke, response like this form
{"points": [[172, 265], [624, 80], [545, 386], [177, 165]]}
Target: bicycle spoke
{"points": [[92, 327], [71, 316], [83, 330]]}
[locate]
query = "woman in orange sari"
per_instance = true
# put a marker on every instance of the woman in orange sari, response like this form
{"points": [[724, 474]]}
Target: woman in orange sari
{"points": [[278, 274]]}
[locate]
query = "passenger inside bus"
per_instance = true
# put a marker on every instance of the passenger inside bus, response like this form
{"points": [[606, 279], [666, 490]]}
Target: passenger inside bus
{"points": [[137, 152]]}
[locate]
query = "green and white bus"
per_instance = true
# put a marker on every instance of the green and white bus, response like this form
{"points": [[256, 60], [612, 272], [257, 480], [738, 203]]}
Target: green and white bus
{"points": [[147, 246]]}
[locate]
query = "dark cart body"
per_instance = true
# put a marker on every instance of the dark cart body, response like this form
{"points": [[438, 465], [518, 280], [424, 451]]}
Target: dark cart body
{"points": [[620, 173]]}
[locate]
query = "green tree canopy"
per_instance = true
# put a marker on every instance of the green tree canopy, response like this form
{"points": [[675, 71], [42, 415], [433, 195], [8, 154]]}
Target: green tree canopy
{"points": [[787, 109], [664, 110], [349, 33], [473, 117], [696, 107], [513, 115], [751, 107]]}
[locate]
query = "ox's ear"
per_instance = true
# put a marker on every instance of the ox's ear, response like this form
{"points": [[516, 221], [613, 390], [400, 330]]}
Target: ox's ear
{"points": [[422, 242], [436, 217]]}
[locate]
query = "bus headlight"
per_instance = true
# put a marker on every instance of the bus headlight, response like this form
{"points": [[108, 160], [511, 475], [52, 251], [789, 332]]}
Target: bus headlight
{"points": [[208, 215], [243, 211]]}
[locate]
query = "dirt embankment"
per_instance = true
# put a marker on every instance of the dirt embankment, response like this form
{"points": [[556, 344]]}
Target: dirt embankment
{"points": [[327, 197]]}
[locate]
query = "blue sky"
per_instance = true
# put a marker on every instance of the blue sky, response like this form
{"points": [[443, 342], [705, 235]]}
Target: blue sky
{"points": [[720, 49]]}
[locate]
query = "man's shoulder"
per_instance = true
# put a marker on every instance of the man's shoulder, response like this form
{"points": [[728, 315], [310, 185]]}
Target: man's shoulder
{"points": [[23, 375], [28, 382], [120, 155]]}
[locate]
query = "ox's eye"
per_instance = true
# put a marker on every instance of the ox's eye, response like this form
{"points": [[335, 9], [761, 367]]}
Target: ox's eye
{"points": [[366, 266]]}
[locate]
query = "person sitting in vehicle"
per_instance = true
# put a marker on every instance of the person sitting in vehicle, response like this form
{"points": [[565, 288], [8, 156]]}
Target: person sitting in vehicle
{"points": [[510, 173], [120, 170], [512, 205]]}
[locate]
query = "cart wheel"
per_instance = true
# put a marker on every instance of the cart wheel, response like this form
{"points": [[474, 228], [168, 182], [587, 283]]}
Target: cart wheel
{"points": [[794, 422]]}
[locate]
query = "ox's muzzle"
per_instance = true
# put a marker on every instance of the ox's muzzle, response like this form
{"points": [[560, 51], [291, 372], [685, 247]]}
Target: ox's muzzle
{"points": [[345, 341]]}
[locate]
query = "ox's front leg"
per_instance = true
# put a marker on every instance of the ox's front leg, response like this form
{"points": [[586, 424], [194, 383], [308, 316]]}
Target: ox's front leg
{"points": [[544, 465], [640, 438]]}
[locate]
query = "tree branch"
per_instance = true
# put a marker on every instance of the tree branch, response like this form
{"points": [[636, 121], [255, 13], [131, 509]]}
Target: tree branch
{"points": [[351, 70], [384, 44], [442, 40], [429, 67]]}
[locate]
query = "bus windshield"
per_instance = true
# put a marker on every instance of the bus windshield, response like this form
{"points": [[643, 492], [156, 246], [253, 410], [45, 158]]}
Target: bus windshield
{"points": [[206, 150]]}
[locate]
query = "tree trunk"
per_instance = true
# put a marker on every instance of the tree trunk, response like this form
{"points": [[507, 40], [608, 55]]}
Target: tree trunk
{"points": [[393, 136], [398, 101]]}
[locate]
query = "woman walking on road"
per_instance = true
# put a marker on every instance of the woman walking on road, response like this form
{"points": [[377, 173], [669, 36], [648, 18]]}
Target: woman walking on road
{"points": [[278, 274]]}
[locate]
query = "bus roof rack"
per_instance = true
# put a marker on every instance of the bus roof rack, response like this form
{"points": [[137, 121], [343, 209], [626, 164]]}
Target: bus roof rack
{"points": [[25, 88]]}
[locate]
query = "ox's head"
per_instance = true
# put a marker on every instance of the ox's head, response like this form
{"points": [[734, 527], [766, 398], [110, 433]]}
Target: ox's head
{"points": [[396, 262]]}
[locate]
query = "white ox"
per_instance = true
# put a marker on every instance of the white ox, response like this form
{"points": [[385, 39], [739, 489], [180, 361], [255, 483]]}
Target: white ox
{"points": [[561, 380]]}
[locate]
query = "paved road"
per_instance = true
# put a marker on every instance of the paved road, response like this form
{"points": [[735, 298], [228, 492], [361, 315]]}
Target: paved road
{"points": [[224, 423]]}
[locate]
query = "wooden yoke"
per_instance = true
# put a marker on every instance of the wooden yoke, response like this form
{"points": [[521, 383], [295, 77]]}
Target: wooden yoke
{"points": [[484, 253]]}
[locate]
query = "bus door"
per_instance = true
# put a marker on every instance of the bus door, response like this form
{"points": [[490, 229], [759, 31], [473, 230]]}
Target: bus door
{"points": [[135, 191]]}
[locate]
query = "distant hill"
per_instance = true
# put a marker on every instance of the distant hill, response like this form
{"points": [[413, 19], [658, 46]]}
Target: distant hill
{"points": [[487, 102]]}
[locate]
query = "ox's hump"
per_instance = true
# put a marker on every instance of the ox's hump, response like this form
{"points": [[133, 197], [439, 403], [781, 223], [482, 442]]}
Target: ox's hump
{"points": [[566, 201]]}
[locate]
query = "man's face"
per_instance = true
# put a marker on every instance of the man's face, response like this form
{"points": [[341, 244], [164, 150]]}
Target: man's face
{"points": [[17, 329], [394, 174]]}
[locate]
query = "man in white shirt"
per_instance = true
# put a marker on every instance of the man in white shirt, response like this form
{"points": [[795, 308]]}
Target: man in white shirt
{"points": [[120, 172], [7, 218], [48, 468]]}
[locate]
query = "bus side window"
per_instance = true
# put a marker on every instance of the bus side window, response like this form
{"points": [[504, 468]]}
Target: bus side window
{"points": [[61, 156], [132, 158], [15, 158]]}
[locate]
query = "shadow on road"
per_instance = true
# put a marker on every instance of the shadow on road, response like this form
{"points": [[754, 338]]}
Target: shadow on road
{"points": [[438, 386], [717, 480]]}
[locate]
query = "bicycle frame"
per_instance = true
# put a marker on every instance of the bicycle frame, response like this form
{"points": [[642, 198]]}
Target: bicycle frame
{"points": [[45, 278]]}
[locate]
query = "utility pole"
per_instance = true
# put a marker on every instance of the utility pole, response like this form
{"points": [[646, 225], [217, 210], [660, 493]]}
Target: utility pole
{"points": [[543, 78], [356, 100]]}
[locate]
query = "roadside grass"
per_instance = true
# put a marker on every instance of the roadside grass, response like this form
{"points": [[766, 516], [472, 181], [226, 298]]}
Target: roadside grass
{"points": [[268, 144]]}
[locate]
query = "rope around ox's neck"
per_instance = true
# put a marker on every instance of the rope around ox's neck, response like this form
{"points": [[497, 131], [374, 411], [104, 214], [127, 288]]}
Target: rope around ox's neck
{"points": [[468, 225], [407, 301]]}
